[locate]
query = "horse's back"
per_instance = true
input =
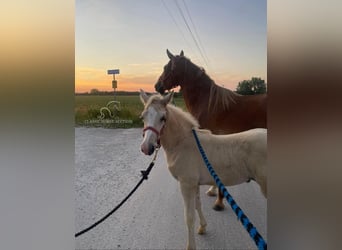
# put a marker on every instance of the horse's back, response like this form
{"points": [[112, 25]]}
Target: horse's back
{"points": [[236, 157], [248, 146], [253, 141], [255, 134]]}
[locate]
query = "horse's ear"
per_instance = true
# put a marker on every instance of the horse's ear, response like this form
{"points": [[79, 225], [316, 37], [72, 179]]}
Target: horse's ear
{"points": [[169, 54], [182, 53], [143, 96], [168, 98]]}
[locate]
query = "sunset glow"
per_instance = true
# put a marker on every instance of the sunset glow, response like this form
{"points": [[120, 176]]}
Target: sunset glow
{"points": [[134, 36]]}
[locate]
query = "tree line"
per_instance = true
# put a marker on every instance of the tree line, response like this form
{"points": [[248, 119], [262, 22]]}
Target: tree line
{"points": [[254, 86]]}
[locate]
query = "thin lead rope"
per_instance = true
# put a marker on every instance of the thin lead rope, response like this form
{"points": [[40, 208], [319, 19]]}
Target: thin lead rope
{"points": [[253, 232], [144, 174]]}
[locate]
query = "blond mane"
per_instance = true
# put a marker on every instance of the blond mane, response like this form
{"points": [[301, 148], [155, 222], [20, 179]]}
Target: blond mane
{"points": [[185, 118], [156, 100], [220, 98]]}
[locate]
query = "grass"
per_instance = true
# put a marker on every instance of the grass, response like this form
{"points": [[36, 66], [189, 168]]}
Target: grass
{"points": [[88, 111]]}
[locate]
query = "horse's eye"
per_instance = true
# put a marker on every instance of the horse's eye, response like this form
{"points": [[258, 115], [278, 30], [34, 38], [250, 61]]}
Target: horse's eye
{"points": [[163, 119]]}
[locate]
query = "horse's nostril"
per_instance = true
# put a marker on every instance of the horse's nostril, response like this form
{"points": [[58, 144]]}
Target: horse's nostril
{"points": [[151, 150], [159, 87]]}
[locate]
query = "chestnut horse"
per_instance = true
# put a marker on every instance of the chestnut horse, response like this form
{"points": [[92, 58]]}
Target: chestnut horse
{"points": [[216, 108]]}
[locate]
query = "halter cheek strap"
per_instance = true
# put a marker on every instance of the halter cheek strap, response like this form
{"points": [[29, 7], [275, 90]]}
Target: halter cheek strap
{"points": [[155, 131]]}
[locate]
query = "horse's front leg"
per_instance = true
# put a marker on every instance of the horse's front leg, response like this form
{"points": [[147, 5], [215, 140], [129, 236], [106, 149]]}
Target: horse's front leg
{"points": [[189, 197], [203, 223]]}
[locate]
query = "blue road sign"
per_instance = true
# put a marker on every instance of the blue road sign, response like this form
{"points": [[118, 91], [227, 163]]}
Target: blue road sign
{"points": [[113, 71]]}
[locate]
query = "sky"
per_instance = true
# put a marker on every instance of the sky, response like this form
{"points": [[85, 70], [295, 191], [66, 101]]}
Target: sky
{"points": [[133, 35]]}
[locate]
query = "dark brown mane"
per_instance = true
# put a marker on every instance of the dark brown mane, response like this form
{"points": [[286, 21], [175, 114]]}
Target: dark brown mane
{"points": [[219, 97]]}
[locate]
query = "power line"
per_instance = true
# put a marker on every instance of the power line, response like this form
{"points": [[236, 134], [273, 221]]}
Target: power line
{"points": [[196, 33], [174, 20], [192, 35]]}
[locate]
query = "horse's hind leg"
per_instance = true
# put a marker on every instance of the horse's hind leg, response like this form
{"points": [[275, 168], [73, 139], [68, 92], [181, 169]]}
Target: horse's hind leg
{"points": [[219, 206], [189, 197], [203, 223], [211, 191]]}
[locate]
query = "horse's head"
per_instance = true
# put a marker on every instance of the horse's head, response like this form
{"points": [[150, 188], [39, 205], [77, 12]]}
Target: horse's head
{"points": [[173, 73], [154, 117]]}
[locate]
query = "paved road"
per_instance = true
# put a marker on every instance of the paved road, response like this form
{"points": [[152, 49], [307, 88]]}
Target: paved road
{"points": [[108, 163]]}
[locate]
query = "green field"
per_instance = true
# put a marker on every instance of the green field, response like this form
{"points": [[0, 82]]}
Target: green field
{"points": [[88, 111]]}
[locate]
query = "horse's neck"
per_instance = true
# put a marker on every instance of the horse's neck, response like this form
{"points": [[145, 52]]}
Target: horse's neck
{"points": [[174, 132], [196, 93]]}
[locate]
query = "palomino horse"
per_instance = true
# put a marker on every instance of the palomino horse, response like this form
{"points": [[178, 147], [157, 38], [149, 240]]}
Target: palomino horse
{"points": [[236, 157], [218, 109]]}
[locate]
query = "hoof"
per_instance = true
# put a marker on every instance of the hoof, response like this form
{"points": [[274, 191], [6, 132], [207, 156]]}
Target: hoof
{"points": [[211, 192], [217, 207], [201, 230]]}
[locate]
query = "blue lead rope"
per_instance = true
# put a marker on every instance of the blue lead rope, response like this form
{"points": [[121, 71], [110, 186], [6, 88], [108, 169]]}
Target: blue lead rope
{"points": [[253, 232]]}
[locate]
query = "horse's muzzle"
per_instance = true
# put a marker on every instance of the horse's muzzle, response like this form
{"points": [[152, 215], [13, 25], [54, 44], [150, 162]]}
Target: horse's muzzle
{"points": [[148, 150], [159, 87]]}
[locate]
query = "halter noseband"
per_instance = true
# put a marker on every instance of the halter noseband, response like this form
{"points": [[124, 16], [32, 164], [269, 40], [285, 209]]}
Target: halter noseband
{"points": [[155, 131]]}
